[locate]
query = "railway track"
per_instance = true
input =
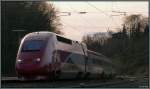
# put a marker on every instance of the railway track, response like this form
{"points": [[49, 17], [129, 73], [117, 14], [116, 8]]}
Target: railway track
{"points": [[71, 83]]}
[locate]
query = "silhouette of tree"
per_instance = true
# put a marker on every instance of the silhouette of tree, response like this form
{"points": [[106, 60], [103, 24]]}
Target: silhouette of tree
{"points": [[128, 48], [29, 16]]}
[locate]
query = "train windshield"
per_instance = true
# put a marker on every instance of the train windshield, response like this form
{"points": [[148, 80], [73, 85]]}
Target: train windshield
{"points": [[32, 45]]}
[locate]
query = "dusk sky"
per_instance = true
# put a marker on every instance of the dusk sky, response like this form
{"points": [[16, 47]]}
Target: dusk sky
{"points": [[100, 17]]}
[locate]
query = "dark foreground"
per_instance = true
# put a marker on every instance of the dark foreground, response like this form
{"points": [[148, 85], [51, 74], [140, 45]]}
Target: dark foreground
{"points": [[88, 83]]}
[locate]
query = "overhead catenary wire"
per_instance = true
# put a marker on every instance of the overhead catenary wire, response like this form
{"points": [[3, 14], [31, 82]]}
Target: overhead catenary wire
{"points": [[82, 17], [106, 14], [74, 28], [98, 9], [112, 7]]}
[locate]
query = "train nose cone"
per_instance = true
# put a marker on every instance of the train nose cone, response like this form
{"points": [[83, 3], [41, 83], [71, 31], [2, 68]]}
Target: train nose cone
{"points": [[32, 68]]}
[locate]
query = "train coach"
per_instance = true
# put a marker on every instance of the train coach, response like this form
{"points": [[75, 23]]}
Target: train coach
{"points": [[46, 55]]}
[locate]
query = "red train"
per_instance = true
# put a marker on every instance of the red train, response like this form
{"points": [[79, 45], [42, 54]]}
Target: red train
{"points": [[44, 55]]}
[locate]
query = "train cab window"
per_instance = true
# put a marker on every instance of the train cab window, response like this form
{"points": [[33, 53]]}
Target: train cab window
{"points": [[62, 39], [32, 45]]}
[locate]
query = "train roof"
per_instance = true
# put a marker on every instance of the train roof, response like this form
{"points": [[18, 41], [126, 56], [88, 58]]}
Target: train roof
{"points": [[46, 33], [70, 39], [43, 33]]}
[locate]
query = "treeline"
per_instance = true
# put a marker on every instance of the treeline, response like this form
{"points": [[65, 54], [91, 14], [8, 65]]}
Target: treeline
{"points": [[20, 18], [128, 48]]}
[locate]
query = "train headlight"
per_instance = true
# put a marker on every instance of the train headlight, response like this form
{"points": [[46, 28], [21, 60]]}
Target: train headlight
{"points": [[19, 60], [37, 60]]}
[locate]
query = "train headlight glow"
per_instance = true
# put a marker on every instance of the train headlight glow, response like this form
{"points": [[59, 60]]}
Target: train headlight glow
{"points": [[38, 59], [19, 60]]}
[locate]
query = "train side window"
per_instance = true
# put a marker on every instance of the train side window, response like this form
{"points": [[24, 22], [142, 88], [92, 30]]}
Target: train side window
{"points": [[65, 40]]}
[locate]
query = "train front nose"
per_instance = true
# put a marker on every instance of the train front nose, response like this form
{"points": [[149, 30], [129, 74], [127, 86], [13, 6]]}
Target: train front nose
{"points": [[32, 68], [28, 65], [30, 58]]}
